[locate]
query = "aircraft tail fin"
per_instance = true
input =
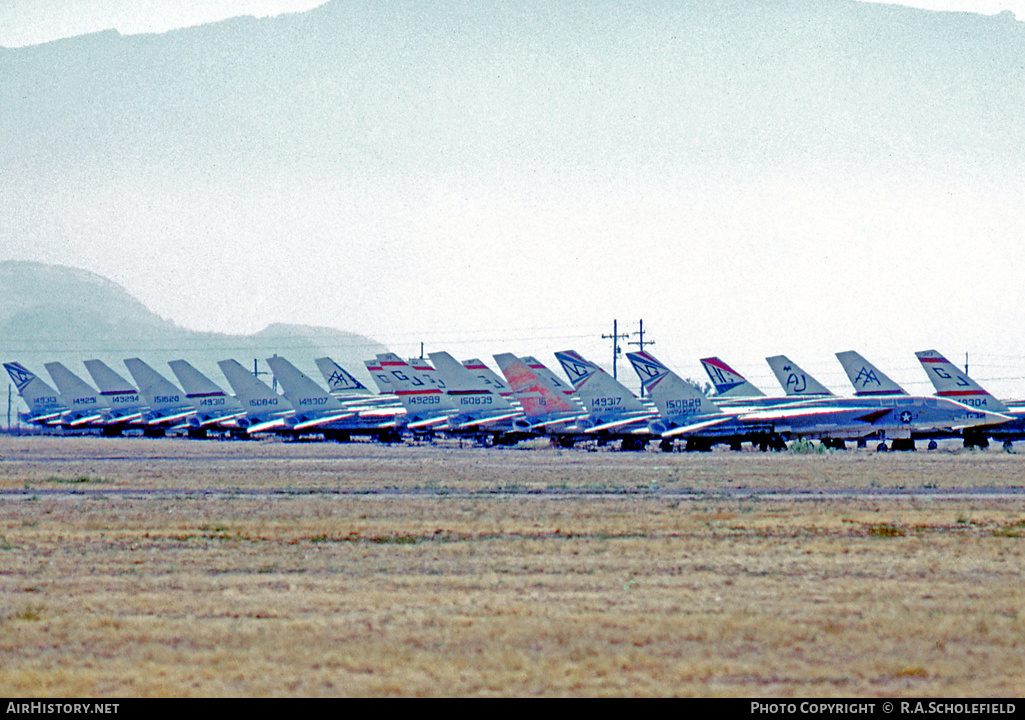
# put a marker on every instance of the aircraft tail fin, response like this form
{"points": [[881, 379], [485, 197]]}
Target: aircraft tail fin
{"points": [[75, 392], [951, 382], [601, 393], [303, 393], [467, 390], [120, 394], [254, 395], [537, 398], [210, 400], [338, 379], [866, 378], [677, 400], [488, 376], [44, 403], [421, 394], [795, 381], [728, 382]]}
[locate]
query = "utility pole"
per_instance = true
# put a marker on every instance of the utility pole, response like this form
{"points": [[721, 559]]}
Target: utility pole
{"points": [[640, 342], [8, 407], [966, 364], [258, 372], [614, 337]]}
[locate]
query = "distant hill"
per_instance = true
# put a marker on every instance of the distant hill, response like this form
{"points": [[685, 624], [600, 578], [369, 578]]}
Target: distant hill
{"points": [[50, 312], [354, 84]]}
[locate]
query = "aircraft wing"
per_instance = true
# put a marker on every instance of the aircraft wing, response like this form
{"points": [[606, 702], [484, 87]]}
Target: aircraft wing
{"points": [[489, 420], [620, 423], [325, 420], [694, 427]]}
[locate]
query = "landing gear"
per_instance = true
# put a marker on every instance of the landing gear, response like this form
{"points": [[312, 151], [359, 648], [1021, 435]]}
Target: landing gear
{"points": [[933, 445], [834, 443], [903, 445], [666, 446], [881, 447], [696, 444], [197, 433], [973, 440], [1008, 446], [632, 444]]}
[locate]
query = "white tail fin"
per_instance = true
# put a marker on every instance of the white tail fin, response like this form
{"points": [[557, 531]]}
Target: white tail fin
{"points": [[795, 381], [951, 382], [264, 408], [44, 403], [76, 393], [212, 403], [166, 402], [338, 379], [866, 378], [422, 396], [728, 382], [488, 376], [121, 395], [467, 390], [603, 396], [313, 405], [679, 403]]}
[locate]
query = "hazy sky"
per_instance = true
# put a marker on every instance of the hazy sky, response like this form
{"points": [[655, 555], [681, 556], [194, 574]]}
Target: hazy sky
{"points": [[803, 264], [27, 22]]}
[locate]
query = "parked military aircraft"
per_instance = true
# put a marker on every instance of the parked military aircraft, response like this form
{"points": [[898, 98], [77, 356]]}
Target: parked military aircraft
{"points": [[167, 405], [866, 378], [45, 407], [120, 394], [215, 409], [265, 409], [795, 381], [92, 410], [833, 419], [545, 409], [318, 411], [950, 382], [728, 383]]}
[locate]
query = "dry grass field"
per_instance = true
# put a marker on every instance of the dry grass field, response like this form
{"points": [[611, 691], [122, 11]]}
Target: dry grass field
{"points": [[322, 569]]}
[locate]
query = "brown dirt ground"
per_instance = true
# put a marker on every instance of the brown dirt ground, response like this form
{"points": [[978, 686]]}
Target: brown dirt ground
{"points": [[652, 583]]}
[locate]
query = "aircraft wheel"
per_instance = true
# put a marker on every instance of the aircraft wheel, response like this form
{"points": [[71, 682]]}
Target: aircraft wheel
{"points": [[881, 447], [1008, 446], [666, 446], [933, 445]]}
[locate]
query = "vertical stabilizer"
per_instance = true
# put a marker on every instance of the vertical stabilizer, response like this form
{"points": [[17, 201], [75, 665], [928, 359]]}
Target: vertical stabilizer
{"points": [[866, 378], [121, 395], [728, 382], [951, 382], [166, 402], [795, 381], [44, 403], [264, 408], [211, 402], [85, 403]]}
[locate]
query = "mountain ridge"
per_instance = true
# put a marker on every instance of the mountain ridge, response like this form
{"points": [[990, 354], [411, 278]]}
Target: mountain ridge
{"points": [[66, 314]]}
